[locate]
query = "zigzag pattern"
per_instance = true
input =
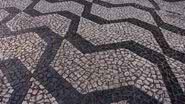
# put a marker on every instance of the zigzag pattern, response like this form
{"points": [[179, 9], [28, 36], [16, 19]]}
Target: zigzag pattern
{"points": [[45, 40]]}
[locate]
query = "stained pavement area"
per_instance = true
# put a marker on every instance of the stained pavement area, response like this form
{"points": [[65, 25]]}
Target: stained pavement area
{"points": [[92, 52]]}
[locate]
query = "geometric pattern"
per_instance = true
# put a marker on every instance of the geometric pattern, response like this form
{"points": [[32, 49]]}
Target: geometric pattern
{"points": [[92, 52]]}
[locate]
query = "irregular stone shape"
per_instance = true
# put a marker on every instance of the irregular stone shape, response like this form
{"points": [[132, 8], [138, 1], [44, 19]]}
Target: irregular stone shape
{"points": [[20, 4], [3, 14], [178, 70], [172, 18], [174, 7], [57, 23], [122, 13], [107, 70], [5, 89], [140, 2], [118, 32], [27, 47], [37, 94], [46, 7], [175, 41]]}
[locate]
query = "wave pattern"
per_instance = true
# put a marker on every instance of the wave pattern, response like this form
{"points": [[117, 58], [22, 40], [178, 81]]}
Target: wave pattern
{"points": [[91, 52]]}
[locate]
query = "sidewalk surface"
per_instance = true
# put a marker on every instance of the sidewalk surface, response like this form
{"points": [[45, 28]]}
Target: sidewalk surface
{"points": [[92, 52]]}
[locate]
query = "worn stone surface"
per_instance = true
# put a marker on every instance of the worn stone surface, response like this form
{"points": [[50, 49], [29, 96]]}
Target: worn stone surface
{"points": [[92, 52]]}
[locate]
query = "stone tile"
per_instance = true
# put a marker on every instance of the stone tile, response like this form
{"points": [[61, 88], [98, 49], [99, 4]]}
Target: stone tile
{"points": [[103, 70], [122, 13], [27, 47], [46, 7], [3, 14], [57, 23]]}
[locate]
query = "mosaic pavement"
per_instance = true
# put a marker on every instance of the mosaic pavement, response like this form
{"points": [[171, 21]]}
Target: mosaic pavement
{"points": [[92, 52]]}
